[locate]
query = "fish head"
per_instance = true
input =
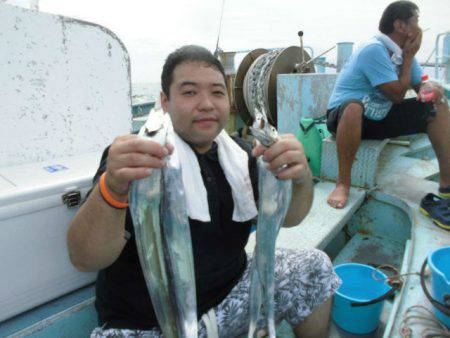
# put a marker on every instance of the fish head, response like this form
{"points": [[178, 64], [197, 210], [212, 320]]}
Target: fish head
{"points": [[262, 130], [155, 123]]}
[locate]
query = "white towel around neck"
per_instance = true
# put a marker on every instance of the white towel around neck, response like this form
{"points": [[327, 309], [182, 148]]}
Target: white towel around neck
{"points": [[234, 162], [397, 53]]}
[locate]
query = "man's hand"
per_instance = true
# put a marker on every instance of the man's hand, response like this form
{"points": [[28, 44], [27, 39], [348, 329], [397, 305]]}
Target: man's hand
{"points": [[412, 44], [131, 158], [431, 91], [395, 90], [285, 158], [96, 235]]}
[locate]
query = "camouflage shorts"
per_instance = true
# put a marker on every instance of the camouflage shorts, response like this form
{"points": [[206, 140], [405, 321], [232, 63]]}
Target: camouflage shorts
{"points": [[303, 280]]}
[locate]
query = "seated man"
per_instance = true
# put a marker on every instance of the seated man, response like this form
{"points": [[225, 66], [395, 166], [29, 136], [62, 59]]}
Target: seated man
{"points": [[101, 237], [368, 100]]}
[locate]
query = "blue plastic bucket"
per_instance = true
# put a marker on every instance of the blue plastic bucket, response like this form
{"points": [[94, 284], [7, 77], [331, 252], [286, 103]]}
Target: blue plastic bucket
{"points": [[439, 262], [360, 284]]}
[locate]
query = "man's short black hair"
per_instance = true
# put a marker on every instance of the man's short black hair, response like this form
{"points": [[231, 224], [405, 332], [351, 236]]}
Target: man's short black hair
{"points": [[402, 10], [189, 53]]}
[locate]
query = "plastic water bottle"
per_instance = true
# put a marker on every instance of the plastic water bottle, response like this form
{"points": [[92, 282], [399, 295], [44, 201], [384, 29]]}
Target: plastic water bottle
{"points": [[426, 93]]}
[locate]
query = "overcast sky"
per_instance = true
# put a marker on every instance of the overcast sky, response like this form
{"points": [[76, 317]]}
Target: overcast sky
{"points": [[152, 29]]}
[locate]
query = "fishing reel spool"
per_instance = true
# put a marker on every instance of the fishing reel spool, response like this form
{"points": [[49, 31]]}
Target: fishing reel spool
{"points": [[256, 79]]}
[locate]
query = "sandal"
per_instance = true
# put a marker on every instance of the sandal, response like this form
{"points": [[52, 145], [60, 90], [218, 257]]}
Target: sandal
{"points": [[438, 209]]}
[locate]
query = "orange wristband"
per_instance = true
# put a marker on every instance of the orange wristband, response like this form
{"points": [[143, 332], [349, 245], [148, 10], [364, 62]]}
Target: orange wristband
{"points": [[106, 195]]}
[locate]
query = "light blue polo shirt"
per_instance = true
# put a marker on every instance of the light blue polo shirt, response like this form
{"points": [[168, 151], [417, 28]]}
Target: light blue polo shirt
{"points": [[367, 68]]}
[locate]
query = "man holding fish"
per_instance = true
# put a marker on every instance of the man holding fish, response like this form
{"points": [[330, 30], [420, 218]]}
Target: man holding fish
{"points": [[101, 235]]}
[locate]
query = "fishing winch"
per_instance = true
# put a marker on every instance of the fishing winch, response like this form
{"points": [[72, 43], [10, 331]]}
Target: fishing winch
{"points": [[256, 79]]}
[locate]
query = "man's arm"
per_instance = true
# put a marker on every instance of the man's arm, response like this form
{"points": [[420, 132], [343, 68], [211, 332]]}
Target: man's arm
{"points": [[302, 198], [288, 152], [96, 235], [396, 90]]}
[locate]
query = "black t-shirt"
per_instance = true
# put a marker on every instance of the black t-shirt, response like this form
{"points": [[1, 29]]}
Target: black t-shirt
{"points": [[122, 299]]}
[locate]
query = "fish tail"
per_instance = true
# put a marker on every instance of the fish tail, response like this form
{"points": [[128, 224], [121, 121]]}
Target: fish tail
{"points": [[270, 313], [255, 299]]}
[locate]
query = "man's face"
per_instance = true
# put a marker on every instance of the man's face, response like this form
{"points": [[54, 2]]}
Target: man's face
{"points": [[412, 25], [409, 27], [198, 104]]}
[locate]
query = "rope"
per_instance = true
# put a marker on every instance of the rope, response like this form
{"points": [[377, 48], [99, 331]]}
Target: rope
{"points": [[316, 61], [419, 314], [325, 64], [397, 278], [216, 52], [256, 82]]}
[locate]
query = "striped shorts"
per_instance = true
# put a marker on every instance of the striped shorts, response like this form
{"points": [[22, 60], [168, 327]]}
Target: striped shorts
{"points": [[304, 279]]}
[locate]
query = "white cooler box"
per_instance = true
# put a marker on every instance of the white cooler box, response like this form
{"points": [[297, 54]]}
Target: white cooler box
{"points": [[37, 202], [65, 95]]}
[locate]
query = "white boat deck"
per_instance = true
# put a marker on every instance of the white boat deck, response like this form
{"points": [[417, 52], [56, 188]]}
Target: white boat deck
{"points": [[321, 224]]}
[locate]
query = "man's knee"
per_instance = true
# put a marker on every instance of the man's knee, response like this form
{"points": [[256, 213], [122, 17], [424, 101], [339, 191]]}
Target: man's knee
{"points": [[312, 266], [352, 112], [314, 283], [319, 265], [443, 109], [439, 117]]}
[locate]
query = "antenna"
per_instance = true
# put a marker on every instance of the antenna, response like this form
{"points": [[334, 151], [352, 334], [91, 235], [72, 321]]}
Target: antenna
{"points": [[300, 34], [318, 56], [216, 52]]}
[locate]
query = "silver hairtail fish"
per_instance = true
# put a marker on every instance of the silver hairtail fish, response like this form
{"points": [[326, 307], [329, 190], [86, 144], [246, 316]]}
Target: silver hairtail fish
{"points": [[274, 200], [163, 239]]}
